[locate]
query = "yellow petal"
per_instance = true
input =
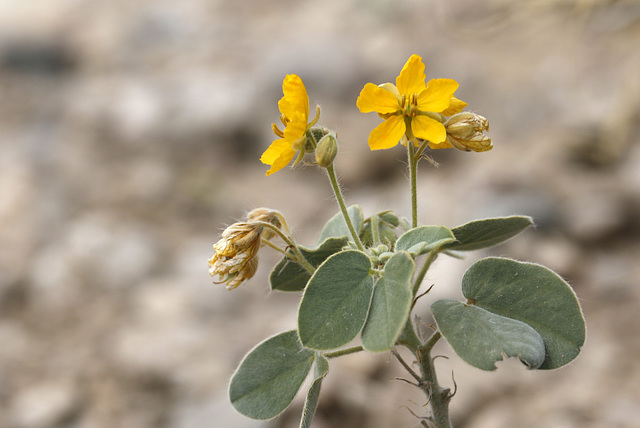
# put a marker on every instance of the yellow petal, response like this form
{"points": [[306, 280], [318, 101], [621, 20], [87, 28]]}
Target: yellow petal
{"points": [[278, 155], [295, 130], [428, 129], [437, 95], [295, 99], [411, 78], [455, 107], [375, 98], [387, 134]]}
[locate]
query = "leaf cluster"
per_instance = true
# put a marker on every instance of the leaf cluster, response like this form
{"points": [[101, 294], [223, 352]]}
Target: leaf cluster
{"points": [[512, 308]]}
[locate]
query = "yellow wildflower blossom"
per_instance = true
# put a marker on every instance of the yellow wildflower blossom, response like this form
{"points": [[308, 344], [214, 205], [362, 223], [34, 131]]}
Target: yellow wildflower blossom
{"points": [[294, 114], [410, 108]]}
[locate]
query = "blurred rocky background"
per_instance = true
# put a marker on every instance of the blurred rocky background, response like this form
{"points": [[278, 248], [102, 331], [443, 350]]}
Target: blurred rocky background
{"points": [[130, 133]]}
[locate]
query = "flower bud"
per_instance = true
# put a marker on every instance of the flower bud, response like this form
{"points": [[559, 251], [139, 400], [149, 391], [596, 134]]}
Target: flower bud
{"points": [[465, 132], [326, 150]]}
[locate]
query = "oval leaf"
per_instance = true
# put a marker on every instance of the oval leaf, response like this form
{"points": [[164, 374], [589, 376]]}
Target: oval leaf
{"points": [[486, 233], [422, 239], [335, 303], [481, 338], [269, 376], [535, 295], [390, 305], [288, 275], [336, 227]]}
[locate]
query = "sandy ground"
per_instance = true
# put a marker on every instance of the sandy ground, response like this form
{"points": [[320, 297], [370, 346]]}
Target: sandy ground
{"points": [[130, 134]]}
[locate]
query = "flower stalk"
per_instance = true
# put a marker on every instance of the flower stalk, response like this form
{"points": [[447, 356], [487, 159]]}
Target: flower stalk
{"points": [[343, 208]]}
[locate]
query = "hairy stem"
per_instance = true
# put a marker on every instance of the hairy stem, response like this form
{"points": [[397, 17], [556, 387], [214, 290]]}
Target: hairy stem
{"points": [[343, 207], [437, 396], [291, 243], [423, 271], [345, 351], [413, 167]]}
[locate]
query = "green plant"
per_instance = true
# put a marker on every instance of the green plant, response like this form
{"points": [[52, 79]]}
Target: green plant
{"points": [[364, 275]]}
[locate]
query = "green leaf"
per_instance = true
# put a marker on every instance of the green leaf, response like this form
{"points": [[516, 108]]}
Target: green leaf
{"points": [[320, 370], [422, 239], [336, 301], [390, 305], [288, 275], [486, 233], [535, 295], [269, 376], [481, 338], [336, 227]]}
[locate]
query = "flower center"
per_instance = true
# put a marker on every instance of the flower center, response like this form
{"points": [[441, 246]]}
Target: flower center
{"points": [[410, 105]]}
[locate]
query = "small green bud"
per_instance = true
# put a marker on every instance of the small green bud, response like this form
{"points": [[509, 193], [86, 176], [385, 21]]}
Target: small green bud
{"points": [[326, 150]]}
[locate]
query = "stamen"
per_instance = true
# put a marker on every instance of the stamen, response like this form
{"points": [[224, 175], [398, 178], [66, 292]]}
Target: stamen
{"points": [[277, 131], [315, 119]]}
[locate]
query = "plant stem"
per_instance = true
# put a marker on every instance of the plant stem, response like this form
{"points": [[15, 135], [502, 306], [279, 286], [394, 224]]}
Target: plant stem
{"points": [[343, 207], [413, 166], [345, 351], [300, 258], [423, 271], [438, 396]]}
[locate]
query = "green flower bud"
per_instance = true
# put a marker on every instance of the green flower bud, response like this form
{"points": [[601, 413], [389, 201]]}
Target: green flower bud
{"points": [[326, 150]]}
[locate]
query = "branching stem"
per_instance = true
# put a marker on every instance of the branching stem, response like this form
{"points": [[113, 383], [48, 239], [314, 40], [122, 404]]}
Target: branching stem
{"points": [[291, 243]]}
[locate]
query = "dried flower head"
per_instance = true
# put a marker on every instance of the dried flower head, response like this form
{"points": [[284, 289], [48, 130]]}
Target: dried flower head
{"points": [[235, 259]]}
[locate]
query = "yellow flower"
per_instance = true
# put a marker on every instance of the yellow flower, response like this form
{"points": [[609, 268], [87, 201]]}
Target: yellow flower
{"points": [[235, 259], [410, 108], [294, 114]]}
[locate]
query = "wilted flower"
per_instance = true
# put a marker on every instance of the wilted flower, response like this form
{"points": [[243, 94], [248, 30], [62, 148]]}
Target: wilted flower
{"points": [[235, 259], [236, 255]]}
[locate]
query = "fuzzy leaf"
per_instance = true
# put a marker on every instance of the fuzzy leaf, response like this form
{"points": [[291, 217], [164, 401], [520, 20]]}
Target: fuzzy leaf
{"points": [[481, 338], [288, 275], [486, 233], [422, 239], [320, 370], [336, 227], [535, 295], [390, 305], [270, 375], [336, 301]]}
